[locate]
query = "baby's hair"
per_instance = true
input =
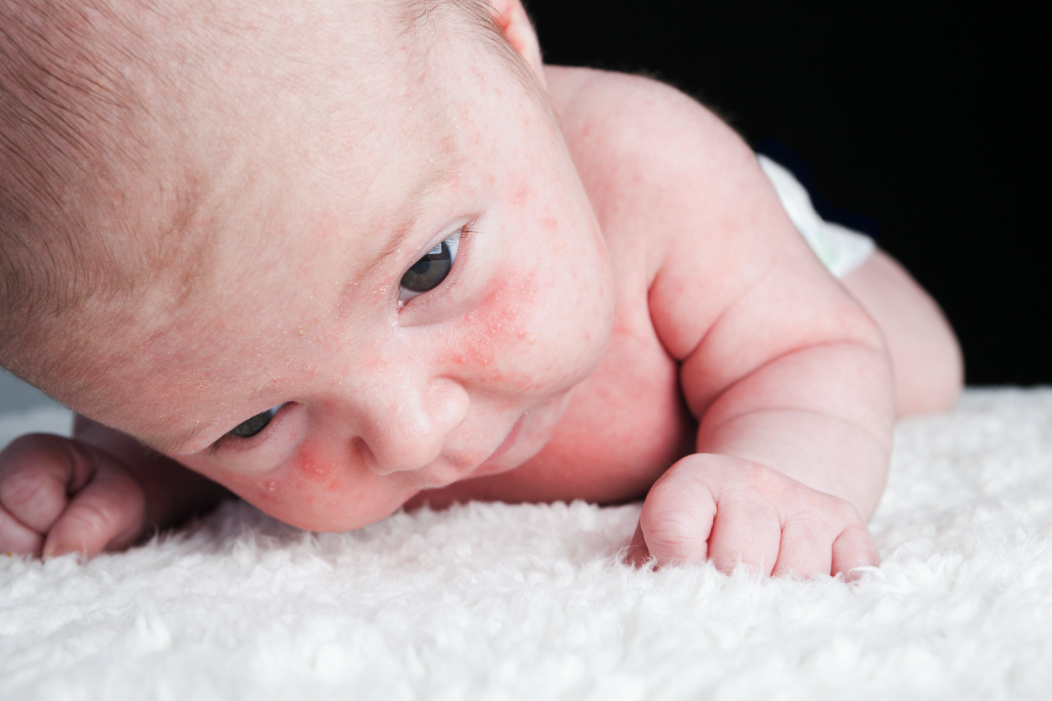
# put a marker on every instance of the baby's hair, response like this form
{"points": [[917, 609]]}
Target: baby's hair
{"points": [[476, 16], [62, 105], [72, 138]]}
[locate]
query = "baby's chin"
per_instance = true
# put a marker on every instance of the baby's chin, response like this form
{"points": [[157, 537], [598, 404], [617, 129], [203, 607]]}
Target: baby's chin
{"points": [[336, 517]]}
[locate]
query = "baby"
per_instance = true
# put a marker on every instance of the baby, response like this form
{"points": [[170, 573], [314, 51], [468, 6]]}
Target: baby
{"points": [[341, 257]]}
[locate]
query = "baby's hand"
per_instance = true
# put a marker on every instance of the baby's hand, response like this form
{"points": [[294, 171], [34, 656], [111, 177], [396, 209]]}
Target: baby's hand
{"points": [[59, 495], [731, 510]]}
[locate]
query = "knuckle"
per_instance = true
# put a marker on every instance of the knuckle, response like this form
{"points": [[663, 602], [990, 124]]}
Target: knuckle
{"points": [[123, 490], [89, 523], [850, 514], [36, 453], [855, 536], [672, 531], [820, 510], [761, 479], [23, 489], [814, 502], [16, 538], [113, 511], [808, 528], [842, 515], [21, 443], [815, 523], [26, 445]]}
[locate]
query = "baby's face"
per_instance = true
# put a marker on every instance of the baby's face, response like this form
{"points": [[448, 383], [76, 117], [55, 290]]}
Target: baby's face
{"points": [[403, 306]]}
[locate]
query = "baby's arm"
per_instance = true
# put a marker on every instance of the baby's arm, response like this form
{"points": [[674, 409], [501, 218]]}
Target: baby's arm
{"points": [[99, 491], [787, 375], [793, 443]]}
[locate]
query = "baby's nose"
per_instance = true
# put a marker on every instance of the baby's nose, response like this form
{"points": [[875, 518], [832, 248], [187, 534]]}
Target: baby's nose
{"points": [[407, 430]]}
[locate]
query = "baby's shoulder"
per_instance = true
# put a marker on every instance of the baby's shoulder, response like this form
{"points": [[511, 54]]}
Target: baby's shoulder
{"points": [[622, 108], [614, 120], [676, 192], [618, 124], [647, 154]]}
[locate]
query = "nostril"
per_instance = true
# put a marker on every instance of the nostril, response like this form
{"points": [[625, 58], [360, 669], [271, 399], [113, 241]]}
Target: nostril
{"points": [[389, 453], [368, 457], [405, 427]]}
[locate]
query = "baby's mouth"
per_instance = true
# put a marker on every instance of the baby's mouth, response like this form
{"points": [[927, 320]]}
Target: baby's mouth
{"points": [[444, 473], [504, 447]]}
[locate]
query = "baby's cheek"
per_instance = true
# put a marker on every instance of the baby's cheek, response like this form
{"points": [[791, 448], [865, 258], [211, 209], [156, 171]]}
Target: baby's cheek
{"points": [[309, 468], [315, 491], [314, 471], [494, 338]]}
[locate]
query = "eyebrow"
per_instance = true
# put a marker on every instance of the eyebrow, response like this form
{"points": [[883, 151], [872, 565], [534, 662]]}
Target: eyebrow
{"points": [[426, 186], [441, 172]]}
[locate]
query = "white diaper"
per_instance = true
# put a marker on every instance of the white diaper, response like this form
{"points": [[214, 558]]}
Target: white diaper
{"points": [[840, 249]]}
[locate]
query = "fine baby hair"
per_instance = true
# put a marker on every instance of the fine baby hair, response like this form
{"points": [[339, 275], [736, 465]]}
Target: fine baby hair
{"points": [[343, 257], [96, 188]]}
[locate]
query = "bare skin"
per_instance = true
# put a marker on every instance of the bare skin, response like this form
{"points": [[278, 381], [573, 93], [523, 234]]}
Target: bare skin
{"points": [[629, 314]]}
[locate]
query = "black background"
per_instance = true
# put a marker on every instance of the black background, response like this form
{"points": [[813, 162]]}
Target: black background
{"points": [[927, 128]]}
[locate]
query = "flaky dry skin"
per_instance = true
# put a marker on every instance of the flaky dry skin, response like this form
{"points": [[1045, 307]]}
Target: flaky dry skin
{"points": [[629, 313]]}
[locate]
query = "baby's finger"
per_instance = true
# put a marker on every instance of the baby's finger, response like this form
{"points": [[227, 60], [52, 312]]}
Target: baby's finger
{"points": [[15, 537], [109, 512], [746, 532], [637, 553], [805, 548], [854, 547], [677, 518], [37, 473]]}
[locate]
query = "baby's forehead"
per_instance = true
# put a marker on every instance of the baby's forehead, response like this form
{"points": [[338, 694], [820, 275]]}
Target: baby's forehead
{"points": [[223, 137], [227, 131]]}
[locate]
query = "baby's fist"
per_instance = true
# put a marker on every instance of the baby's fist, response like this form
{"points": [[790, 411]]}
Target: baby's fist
{"points": [[59, 495], [732, 510]]}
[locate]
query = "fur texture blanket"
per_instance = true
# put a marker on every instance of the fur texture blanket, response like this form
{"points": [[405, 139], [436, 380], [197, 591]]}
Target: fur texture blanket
{"points": [[495, 601]]}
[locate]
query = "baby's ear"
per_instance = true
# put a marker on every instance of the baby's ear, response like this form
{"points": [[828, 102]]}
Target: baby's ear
{"points": [[510, 17]]}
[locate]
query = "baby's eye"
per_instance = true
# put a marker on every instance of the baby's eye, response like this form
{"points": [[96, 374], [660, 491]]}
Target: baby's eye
{"points": [[429, 272], [247, 429]]}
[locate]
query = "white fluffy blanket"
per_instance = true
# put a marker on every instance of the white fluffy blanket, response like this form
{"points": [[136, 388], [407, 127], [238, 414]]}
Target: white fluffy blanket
{"points": [[499, 602]]}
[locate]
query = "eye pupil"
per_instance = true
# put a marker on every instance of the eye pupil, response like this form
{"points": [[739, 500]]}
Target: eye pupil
{"points": [[429, 272], [249, 428]]}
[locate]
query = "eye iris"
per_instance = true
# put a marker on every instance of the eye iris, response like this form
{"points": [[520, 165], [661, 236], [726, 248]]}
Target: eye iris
{"points": [[428, 272], [247, 429]]}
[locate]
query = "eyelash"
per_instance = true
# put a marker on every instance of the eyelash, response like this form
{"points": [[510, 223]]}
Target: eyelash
{"points": [[229, 440], [458, 237]]}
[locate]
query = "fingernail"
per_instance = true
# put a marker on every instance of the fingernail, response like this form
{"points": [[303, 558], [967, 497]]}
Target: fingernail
{"points": [[55, 551]]}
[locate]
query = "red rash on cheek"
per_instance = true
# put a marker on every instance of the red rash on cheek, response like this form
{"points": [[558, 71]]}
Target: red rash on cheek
{"points": [[479, 354], [314, 470], [495, 338], [521, 195]]}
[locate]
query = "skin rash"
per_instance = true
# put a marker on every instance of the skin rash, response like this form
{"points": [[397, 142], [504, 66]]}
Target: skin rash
{"points": [[629, 313]]}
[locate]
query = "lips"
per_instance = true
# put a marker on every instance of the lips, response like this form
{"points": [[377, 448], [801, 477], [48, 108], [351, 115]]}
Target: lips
{"points": [[444, 473], [504, 447]]}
